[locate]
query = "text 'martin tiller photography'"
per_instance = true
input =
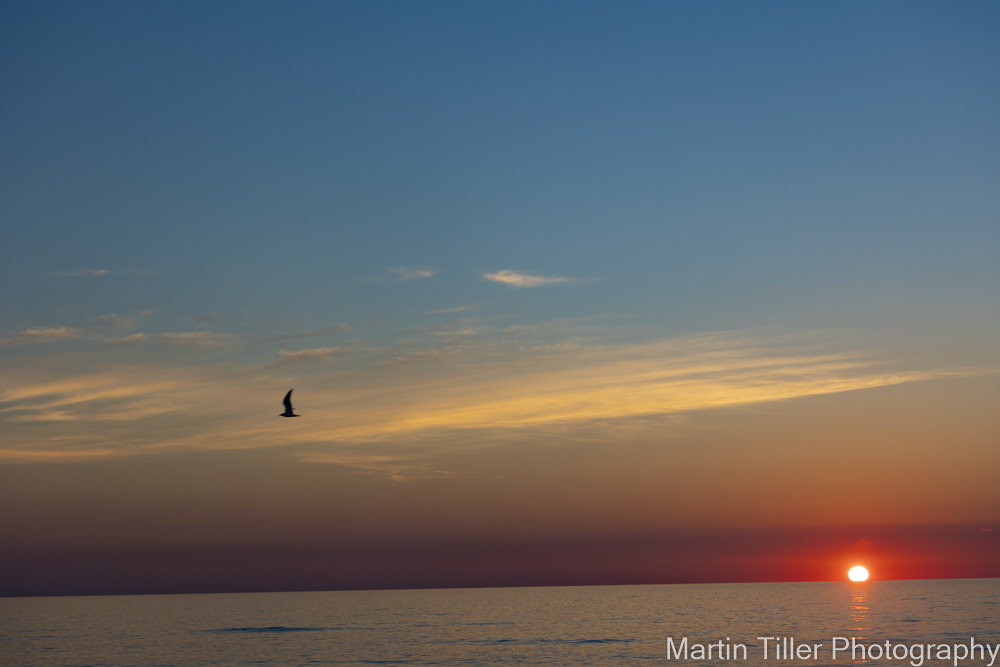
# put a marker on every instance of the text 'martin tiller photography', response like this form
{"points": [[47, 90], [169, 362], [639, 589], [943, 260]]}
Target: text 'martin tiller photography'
{"points": [[787, 649]]}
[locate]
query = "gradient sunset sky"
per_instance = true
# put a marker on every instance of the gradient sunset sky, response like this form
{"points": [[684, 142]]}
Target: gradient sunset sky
{"points": [[568, 292]]}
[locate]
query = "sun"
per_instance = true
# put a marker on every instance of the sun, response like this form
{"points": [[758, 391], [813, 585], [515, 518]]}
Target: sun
{"points": [[857, 573]]}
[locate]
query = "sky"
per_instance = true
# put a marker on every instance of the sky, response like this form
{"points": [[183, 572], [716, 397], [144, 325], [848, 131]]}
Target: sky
{"points": [[567, 292]]}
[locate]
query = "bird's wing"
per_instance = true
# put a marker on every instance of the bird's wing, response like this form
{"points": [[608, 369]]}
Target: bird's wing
{"points": [[288, 399]]}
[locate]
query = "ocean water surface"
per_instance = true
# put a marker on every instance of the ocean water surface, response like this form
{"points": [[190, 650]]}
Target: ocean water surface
{"points": [[595, 625]]}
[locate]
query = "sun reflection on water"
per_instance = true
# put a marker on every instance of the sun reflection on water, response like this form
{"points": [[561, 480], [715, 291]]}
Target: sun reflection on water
{"points": [[860, 623]]}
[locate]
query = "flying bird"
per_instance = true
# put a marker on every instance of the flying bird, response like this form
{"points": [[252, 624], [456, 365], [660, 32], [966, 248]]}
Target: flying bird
{"points": [[288, 405]]}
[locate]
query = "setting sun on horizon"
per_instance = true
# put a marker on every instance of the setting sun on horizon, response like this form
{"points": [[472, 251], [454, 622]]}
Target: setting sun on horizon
{"points": [[857, 573]]}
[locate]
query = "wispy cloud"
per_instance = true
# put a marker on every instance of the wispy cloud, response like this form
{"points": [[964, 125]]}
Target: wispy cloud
{"points": [[572, 383], [91, 328], [401, 274], [55, 455], [81, 397], [132, 339], [339, 327], [184, 338], [82, 273], [397, 466], [404, 273], [40, 335], [92, 273], [471, 391], [447, 311], [199, 338], [114, 322], [312, 354], [521, 279]]}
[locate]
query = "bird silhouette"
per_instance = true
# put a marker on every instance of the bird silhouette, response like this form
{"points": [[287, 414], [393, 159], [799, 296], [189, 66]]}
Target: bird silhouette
{"points": [[288, 405]]}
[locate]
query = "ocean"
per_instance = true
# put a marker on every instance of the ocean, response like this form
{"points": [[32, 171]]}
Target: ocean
{"points": [[592, 625]]}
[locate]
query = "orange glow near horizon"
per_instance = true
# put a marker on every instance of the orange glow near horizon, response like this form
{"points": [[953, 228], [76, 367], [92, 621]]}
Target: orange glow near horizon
{"points": [[857, 573]]}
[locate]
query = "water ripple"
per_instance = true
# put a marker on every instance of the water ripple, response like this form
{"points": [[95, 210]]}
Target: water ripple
{"points": [[272, 628]]}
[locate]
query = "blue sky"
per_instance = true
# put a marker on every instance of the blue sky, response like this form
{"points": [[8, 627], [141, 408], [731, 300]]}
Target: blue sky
{"points": [[461, 230], [718, 165]]}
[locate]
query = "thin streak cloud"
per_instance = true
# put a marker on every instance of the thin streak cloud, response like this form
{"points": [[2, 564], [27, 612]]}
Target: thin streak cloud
{"points": [[82, 273], [339, 327], [401, 274], [404, 273], [93, 273], [448, 311], [198, 338], [520, 279], [131, 339], [396, 466], [183, 338], [112, 322], [40, 335], [313, 354]]}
